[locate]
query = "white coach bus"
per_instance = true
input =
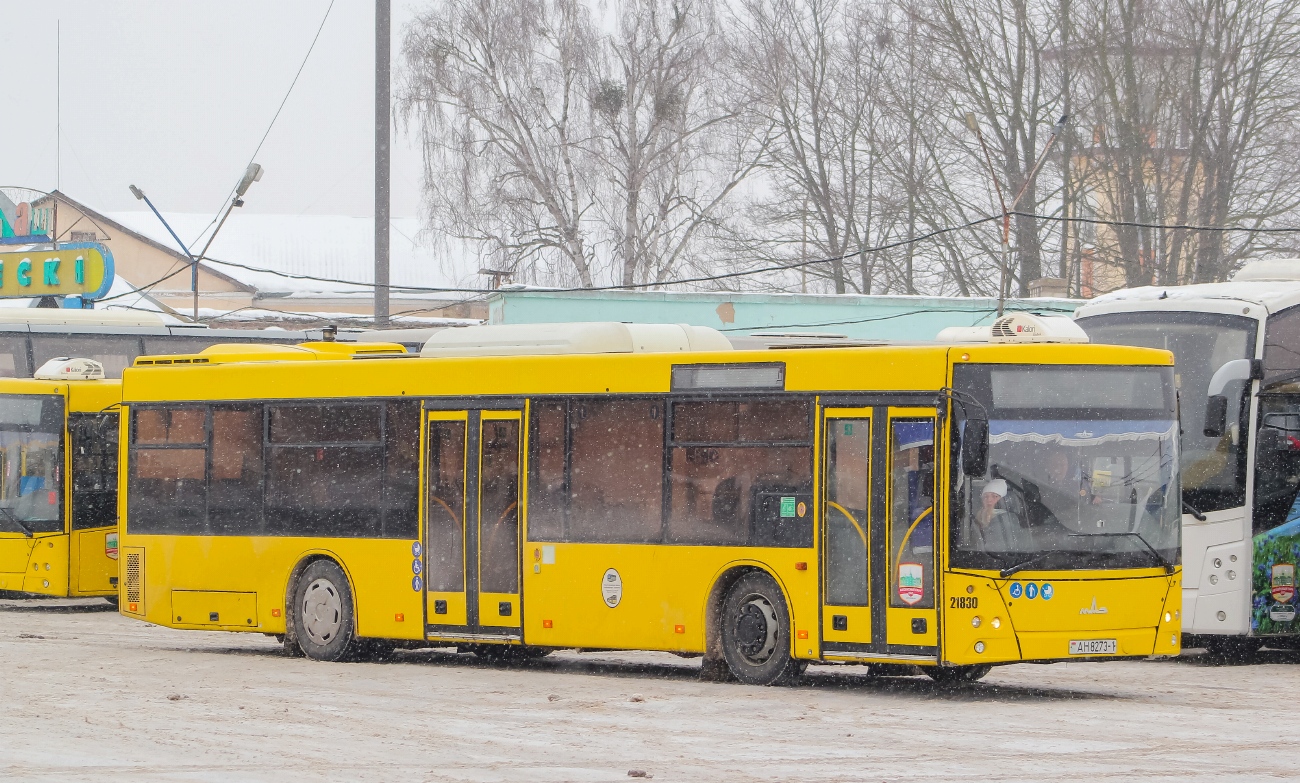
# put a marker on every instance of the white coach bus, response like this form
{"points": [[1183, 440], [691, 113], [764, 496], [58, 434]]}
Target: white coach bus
{"points": [[1237, 352]]}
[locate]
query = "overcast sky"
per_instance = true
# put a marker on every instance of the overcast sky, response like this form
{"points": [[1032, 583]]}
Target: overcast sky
{"points": [[174, 97]]}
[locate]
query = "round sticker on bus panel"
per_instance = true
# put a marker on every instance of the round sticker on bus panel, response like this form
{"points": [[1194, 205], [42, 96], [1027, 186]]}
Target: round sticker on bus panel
{"points": [[416, 566], [1016, 590], [911, 582], [611, 587], [417, 584], [1047, 590], [416, 549], [1031, 591]]}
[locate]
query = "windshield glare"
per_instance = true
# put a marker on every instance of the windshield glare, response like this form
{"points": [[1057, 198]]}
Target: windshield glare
{"points": [[31, 464], [1214, 469], [1071, 487]]}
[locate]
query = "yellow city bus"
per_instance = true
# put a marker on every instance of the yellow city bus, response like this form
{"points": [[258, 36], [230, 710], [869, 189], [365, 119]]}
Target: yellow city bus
{"points": [[515, 490], [59, 537]]}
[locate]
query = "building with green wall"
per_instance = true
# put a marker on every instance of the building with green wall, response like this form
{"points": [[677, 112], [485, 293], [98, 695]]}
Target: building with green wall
{"points": [[862, 317]]}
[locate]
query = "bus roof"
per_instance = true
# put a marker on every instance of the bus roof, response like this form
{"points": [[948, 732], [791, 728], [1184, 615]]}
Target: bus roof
{"points": [[1273, 284], [226, 353]]}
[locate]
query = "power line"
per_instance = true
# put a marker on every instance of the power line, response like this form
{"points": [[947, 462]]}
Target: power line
{"points": [[747, 272], [283, 101]]}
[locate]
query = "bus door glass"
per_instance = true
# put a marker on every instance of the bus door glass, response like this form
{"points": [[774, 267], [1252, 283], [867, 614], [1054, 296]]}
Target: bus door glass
{"points": [[846, 529], [93, 442], [472, 522], [911, 617]]}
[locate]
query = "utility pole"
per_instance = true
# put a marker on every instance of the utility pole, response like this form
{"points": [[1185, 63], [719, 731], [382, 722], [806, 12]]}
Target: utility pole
{"points": [[383, 132]]}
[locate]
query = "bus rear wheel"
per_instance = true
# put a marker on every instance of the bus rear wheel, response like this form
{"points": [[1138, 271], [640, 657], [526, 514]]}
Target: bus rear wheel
{"points": [[756, 632], [323, 624], [957, 675]]}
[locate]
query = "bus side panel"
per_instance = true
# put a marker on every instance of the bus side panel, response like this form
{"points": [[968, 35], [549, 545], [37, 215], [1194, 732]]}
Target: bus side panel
{"points": [[379, 572], [658, 598], [91, 563]]}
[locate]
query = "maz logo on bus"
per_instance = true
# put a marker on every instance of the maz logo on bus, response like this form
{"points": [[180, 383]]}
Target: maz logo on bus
{"points": [[1094, 609]]}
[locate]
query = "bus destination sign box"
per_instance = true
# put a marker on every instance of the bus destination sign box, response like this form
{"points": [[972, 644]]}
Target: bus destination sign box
{"points": [[83, 269]]}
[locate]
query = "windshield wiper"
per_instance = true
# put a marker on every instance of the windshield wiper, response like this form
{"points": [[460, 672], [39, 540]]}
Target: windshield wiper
{"points": [[1196, 514], [1168, 566], [9, 514], [1018, 567]]}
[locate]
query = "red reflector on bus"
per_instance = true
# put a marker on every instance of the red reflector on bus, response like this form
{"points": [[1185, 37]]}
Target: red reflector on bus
{"points": [[548, 624], [679, 629], [132, 607], [275, 612], [801, 566], [803, 634]]}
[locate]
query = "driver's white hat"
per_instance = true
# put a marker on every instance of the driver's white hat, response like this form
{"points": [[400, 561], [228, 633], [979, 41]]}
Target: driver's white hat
{"points": [[996, 487]]}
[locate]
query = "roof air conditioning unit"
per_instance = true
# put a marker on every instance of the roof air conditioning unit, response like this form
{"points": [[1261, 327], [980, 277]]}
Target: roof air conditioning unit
{"points": [[63, 368], [1030, 328]]}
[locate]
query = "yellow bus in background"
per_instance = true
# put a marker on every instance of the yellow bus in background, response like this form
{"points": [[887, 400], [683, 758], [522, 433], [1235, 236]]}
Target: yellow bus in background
{"points": [[59, 537], [515, 490]]}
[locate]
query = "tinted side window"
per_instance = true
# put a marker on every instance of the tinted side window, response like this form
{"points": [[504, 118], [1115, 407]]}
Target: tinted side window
{"points": [[167, 482], [94, 470], [741, 473], [402, 470], [13, 356], [547, 488], [616, 471], [235, 484], [116, 353]]}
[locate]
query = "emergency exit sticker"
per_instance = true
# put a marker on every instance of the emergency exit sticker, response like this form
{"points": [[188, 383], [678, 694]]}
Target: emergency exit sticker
{"points": [[787, 507]]}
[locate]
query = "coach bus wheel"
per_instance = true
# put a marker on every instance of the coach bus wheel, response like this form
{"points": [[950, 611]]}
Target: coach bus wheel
{"points": [[1236, 649], [957, 675], [322, 617], [756, 632]]}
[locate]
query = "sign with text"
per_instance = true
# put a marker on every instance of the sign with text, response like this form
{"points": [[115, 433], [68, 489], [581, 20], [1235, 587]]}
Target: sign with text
{"points": [[82, 269]]}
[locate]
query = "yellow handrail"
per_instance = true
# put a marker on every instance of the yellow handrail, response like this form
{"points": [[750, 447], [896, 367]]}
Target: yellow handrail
{"points": [[908, 535], [861, 533]]}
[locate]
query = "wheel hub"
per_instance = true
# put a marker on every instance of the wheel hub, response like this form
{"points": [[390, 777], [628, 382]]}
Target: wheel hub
{"points": [[322, 611], [755, 630]]}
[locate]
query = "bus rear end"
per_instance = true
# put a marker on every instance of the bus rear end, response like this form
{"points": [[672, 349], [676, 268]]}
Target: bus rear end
{"points": [[1064, 507]]}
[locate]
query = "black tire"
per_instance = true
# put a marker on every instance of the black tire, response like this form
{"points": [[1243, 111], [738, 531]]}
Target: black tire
{"points": [[957, 675], [112, 600], [324, 628], [1234, 649], [756, 632]]}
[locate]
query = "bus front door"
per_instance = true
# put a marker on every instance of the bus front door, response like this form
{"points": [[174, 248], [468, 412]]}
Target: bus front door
{"points": [[472, 486], [878, 533]]}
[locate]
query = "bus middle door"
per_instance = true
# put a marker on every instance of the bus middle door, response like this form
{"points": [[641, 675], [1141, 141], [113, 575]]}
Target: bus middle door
{"points": [[472, 490]]}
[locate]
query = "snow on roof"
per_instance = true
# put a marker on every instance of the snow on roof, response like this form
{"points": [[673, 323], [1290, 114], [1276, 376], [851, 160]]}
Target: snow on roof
{"points": [[335, 247], [1272, 295]]}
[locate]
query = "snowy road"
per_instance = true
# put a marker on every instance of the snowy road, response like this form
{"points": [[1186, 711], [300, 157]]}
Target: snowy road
{"points": [[89, 695]]}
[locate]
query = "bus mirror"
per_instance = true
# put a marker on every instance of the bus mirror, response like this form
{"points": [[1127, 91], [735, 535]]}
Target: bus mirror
{"points": [[1271, 441], [975, 447], [1216, 415]]}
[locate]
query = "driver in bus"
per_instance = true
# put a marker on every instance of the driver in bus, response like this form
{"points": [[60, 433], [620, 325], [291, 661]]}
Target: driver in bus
{"points": [[995, 530]]}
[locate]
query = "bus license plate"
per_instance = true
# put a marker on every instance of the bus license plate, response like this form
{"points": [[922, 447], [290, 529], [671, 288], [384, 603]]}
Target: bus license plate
{"points": [[1092, 647]]}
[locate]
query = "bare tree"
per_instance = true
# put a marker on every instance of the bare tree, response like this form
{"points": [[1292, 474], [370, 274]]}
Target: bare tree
{"points": [[499, 89]]}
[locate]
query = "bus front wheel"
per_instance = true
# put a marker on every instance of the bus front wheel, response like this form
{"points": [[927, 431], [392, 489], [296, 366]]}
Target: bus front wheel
{"points": [[756, 632], [323, 623]]}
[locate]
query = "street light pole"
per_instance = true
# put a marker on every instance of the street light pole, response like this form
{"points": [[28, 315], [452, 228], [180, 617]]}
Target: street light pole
{"points": [[194, 262], [1007, 210], [383, 132]]}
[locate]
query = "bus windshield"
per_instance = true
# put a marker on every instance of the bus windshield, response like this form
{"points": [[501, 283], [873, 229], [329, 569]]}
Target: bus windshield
{"points": [[1214, 469], [1082, 469], [31, 464]]}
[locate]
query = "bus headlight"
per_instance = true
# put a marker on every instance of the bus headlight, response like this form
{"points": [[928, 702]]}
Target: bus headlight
{"points": [[975, 622], [1168, 617], [979, 647], [997, 622]]}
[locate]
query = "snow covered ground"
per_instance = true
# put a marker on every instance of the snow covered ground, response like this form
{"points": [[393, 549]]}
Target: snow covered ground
{"points": [[88, 695]]}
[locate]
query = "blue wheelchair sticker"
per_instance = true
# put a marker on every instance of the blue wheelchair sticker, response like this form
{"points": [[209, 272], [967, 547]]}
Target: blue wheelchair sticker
{"points": [[1016, 589], [1031, 591]]}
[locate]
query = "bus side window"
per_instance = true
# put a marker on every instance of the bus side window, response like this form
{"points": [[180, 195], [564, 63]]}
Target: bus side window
{"points": [[616, 471]]}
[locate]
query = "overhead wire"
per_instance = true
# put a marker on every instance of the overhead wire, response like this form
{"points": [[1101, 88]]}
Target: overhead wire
{"points": [[743, 272]]}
